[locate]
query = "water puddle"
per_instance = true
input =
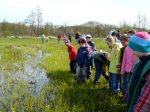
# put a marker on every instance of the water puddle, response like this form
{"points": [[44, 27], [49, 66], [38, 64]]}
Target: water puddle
{"points": [[28, 73]]}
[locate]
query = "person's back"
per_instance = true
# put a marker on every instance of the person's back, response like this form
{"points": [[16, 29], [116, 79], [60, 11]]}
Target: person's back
{"points": [[139, 88], [82, 57], [101, 60], [129, 60]]}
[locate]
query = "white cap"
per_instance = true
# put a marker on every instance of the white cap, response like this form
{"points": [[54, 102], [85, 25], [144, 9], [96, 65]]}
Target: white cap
{"points": [[88, 36]]}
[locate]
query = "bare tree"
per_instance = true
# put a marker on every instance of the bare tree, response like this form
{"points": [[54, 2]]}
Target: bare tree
{"points": [[39, 18], [144, 21], [139, 21], [35, 20]]}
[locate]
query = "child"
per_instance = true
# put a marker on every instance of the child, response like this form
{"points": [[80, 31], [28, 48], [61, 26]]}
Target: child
{"points": [[115, 76], [115, 36], [139, 89], [128, 62], [59, 38], [83, 59], [101, 60], [42, 37], [91, 46], [72, 55], [90, 42]]}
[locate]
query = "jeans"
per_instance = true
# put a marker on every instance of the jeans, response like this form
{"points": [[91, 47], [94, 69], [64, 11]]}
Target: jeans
{"points": [[81, 73], [115, 82], [73, 66], [129, 76], [98, 66], [126, 81], [124, 84], [89, 71], [100, 69]]}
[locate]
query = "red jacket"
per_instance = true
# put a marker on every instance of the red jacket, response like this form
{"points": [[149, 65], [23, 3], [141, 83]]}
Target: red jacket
{"points": [[72, 53]]}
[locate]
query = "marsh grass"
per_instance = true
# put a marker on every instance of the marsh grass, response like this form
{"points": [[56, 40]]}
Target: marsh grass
{"points": [[62, 94]]}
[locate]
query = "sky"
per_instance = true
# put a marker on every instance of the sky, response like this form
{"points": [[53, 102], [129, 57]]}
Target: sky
{"points": [[75, 12]]}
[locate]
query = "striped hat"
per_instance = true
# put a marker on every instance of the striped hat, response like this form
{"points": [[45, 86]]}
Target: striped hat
{"points": [[140, 42]]}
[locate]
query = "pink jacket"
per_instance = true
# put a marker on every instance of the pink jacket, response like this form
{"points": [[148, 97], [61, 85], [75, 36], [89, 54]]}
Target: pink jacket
{"points": [[129, 60]]}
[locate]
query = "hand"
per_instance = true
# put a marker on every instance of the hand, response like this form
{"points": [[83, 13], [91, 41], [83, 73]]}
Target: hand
{"points": [[118, 66]]}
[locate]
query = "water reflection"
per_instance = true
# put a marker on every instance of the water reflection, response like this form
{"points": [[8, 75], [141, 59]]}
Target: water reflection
{"points": [[31, 75]]}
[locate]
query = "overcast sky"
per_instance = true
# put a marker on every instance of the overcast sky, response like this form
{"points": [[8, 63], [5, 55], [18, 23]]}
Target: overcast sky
{"points": [[74, 12]]}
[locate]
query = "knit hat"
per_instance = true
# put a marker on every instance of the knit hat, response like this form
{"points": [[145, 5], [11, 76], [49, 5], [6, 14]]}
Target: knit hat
{"points": [[82, 40], [140, 42]]}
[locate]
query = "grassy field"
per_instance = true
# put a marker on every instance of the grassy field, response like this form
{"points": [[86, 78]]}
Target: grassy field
{"points": [[61, 94]]}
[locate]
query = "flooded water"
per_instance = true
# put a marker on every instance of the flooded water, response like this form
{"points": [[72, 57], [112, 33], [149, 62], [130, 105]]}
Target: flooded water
{"points": [[31, 75]]}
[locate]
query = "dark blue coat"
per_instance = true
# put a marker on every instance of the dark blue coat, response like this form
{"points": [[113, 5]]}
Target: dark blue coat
{"points": [[83, 57]]}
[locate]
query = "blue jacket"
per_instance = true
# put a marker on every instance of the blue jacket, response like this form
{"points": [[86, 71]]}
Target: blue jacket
{"points": [[91, 43], [83, 57]]}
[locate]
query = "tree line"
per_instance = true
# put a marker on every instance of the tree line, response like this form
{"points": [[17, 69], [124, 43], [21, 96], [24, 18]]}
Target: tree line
{"points": [[33, 26]]}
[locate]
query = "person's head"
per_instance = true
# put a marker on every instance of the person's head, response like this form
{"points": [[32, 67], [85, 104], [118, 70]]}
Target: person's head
{"points": [[124, 40], [67, 42], [131, 32], [140, 44], [110, 41], [88, 38], [115, 35], [82, 42]]}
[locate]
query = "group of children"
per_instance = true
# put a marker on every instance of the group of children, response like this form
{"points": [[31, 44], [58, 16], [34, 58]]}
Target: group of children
{"points": [[82, 61], [128, 60]]}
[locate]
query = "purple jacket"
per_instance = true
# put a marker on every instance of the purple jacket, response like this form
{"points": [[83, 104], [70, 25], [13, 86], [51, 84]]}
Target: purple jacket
{"points": [[129, 60]]}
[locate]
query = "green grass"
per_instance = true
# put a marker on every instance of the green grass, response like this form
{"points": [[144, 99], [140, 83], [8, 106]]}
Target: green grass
{"points": [[62, 94]]}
